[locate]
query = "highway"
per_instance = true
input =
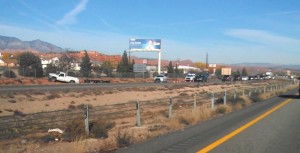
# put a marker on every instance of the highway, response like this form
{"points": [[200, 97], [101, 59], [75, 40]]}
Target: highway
{"points": [[77, 86], [70, 86], [268, 126]]}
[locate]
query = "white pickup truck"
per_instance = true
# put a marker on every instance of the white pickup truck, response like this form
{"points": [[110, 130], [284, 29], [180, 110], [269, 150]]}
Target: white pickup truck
{"points": [[62, 77]]}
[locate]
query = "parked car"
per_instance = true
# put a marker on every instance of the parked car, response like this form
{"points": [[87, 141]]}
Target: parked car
{"points": [[237, 78], [160, 78], [253, 77], [227, 78], [201, 78], [245, 78], [190, 77]]}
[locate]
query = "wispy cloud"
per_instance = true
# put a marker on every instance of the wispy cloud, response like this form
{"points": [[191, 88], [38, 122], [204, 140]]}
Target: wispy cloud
{"points": [[261, 36], [36, 15], [106, 23], [283, 13], [70, 17]]}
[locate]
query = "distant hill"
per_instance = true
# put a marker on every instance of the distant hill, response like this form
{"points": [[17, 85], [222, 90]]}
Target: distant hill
{"points": [[14, 44], [268, 65]]}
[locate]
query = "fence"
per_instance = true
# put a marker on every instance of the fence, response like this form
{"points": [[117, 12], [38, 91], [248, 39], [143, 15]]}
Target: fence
{"points": [[22, 124]]}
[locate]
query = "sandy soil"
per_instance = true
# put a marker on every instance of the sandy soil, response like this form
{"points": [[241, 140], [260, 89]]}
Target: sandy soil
{"points": [[51, 101]]}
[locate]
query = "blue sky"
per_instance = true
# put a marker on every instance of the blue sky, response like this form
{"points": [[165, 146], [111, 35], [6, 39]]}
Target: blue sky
{"points": [[230, 31]]}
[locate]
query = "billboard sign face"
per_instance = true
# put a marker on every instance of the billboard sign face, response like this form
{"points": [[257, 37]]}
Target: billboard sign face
{"points": [[212, 65], [145, 44]]}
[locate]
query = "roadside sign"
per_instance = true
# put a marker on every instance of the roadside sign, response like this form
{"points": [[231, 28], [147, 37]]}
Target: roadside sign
{"points": [[139, 68]]}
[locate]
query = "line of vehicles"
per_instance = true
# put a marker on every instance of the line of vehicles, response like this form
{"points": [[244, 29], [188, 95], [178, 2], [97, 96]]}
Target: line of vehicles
{"points": [[203, 77]]}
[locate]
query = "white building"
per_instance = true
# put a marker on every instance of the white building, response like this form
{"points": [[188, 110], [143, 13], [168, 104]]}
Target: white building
{"points": [[187, 69], [45, 62]]}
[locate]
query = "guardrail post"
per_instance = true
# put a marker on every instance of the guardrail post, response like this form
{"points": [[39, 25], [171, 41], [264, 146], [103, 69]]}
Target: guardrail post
{"points": [[170, 107], [234, 95], [195, 101], [249, 93], [86, 119], [212, 100], [225, 94], [243, 92], [138, 113], [264, 89]]}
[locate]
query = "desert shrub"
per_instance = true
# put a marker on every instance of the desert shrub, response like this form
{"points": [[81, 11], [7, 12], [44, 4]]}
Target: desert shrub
{"points": [[82, 106], [219, 101], [11, 95], [39, 93], [72, 106], [221, 110], [12, 101], [238, 99], [187, 119], [18, 113], [183, 94], [8, 110], [52, 96], [9, 74], [123, 139], [75, 129], [255, 97], [99, 128]]}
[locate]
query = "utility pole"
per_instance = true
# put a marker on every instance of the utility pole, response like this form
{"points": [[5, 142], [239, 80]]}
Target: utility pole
{"points": [[206, 60]]}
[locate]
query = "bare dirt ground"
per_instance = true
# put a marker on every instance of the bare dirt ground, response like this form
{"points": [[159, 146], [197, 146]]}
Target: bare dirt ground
{"points": [[59, 100], [37, 101]]}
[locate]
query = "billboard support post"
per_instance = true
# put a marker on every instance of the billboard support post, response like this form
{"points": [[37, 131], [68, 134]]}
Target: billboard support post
{"points": [[159, 63]]}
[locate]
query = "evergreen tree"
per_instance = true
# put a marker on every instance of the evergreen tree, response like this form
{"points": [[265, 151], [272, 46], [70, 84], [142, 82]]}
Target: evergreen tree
{"points": [[123, 65], [244, 72], [86, 65], [107, 68], [176, 69], [170, 68]]}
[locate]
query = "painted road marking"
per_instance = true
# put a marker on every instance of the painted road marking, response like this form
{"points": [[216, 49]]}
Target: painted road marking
{"points": [[240, 129]]}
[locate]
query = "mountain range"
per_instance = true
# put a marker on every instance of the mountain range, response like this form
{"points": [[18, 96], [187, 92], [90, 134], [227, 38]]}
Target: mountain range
{"points": [[13, 44]]}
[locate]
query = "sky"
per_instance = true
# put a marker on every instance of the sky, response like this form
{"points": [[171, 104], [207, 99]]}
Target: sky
{"points": [[230, 32]]}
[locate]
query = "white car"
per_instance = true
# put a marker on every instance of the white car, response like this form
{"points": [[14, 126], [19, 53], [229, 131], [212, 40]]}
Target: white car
{"points": [[160, 78], [245, 78], [190, 77]]}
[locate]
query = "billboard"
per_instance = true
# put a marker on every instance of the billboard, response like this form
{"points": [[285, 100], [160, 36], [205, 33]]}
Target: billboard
{"points": [[145, 44], [226, 71], [212, 65]]}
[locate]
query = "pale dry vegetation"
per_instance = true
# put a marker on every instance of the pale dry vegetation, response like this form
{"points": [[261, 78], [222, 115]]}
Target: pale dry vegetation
{"points": [[108, 136]]}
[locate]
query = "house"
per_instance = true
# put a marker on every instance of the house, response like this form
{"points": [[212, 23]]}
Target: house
{"points": [[46, 61], [9, 62]]}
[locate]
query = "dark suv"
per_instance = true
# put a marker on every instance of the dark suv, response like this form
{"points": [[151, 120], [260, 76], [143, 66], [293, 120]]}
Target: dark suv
{"points": [[237, 78], [227, 78], [201, 78]]}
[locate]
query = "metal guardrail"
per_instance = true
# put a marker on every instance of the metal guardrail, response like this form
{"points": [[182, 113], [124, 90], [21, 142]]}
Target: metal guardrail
{"points": [[22, 124]]}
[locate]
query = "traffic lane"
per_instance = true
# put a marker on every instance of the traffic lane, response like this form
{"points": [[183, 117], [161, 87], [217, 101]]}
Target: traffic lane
{"points": [[67, 86], [277, 133]]}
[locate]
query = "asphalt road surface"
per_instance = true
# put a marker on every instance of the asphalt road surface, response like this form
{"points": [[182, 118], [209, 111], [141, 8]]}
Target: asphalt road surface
{"points": [[68, 86], [268, 126]]}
